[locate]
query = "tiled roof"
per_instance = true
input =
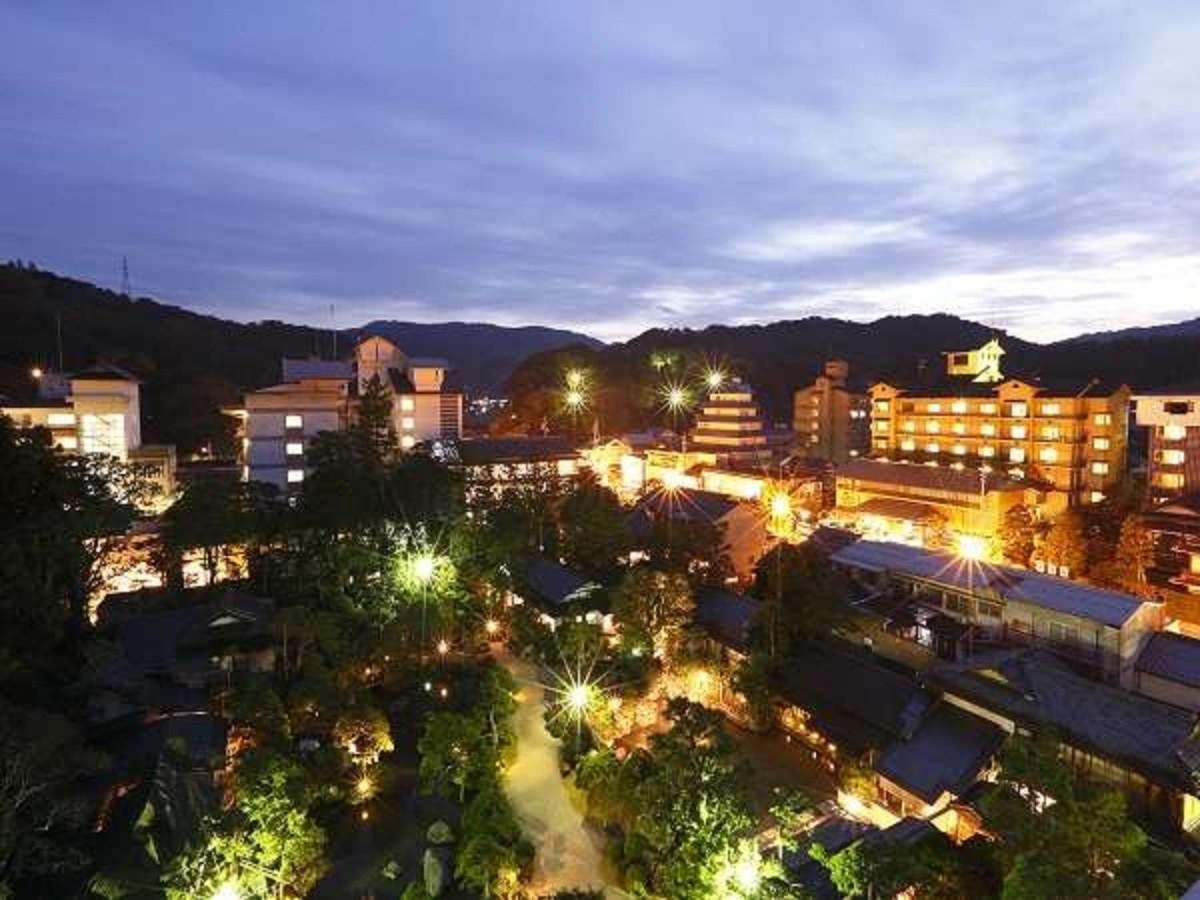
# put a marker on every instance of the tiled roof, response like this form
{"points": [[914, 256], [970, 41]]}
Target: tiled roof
{"points": [[306, 369], [1107, 607], [552, 582], [1174, 657], [726, 615], [942, 478], [934, 382], [947, 753]]}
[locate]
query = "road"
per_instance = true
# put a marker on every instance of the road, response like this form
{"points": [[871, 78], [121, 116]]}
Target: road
{"points": [[569, 852]]}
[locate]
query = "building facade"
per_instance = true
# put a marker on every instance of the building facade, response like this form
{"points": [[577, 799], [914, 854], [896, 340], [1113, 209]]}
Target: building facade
{"points": [[729, 429], [830, 420], [1173, 420], [1072, 437]]}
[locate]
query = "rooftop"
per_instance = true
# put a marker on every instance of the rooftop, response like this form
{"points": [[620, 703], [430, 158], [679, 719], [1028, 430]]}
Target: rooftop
{"points": [[947, 753], [726, 616], [1107, 607], [941, 478], [484, 451], [309, 369], [103, 372], [553, 583], [933, 381], [1174, 657]]}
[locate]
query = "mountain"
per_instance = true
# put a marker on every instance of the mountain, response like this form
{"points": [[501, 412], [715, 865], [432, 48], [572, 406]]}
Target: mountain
{"points": [[1189, 328], [192, 364], [484, 355]]}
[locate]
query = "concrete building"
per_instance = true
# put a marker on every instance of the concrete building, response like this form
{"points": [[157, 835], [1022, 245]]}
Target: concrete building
{"points": [[279, 422], [1173, 420], [1174, 570], [830, 419], [729, 429], [1070, 435]]}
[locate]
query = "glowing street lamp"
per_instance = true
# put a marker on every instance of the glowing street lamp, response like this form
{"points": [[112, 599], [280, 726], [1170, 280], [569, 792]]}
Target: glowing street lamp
{"points": [[574, 399], [227, 891], [676, 398], [491, 626], [972, 547], [36, 373], [578, 697], [423, 567], [714, 378], [781, 505], [443, 647], [575, 379]]}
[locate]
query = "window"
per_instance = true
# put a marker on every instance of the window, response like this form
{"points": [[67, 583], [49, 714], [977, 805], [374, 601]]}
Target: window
{"points": [[1065, 634], [988, 409], [961, 359], [879, 445], [1051, 433], [293, 421], [407, 404], [987, 429], [60, 420], [958, 406], [881, 406], [1018, 432], [1194, 563], [1173, 457], [295, 448], [1101, 443], [1016, 454], [959, 428], [879, 426], [1018, 409], [407, 442], [908, 444], [1048, 455], [934, 407], [68, 442], [1174, 432], [1017, 472], [988, 608], [960, 605], [408, 423], [1096, 497], [1051, 409], [1099, 467], [909, 426], [1102, 418], [987, 451], [960, 449], [1171, 480], [933, 426], [1177, 407], [933, 448], [295, 476]]}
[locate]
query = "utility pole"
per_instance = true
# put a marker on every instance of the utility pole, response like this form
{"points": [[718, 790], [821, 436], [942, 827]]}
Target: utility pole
{"points": [[125, 275]]}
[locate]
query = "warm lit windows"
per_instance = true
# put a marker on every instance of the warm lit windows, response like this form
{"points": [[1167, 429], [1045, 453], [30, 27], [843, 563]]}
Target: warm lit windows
{"points": [[407, 404], [1171, 480], [1016, 454], [1018, 409], [1096, 497], [1051, 409], [987, 451], [1017, 472], [1048, 455], [879, 426], [68, 442], [908, 444], [1174, 432], [295, 448], [987, 429], [1102, 418], [1173, 457], [988, 409], [295, 476], [407, 442], [1099, 467], [408, 423], [909, 426], [881, 406], [879, 445], [60, 420], [1018, 432], [958, 406], [959, 428], [933, 426], [1194, 564], [934, 407], [933, 448], [1101, 443], [293, 421], [1051, 433], [960, 449]]}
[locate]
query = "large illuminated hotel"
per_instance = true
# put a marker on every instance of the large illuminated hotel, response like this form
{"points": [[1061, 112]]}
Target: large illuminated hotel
{"points": [[1069, 436]]}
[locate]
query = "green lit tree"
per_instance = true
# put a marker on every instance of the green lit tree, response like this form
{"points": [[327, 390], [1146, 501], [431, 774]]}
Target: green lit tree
{"points": [[653, 608]]}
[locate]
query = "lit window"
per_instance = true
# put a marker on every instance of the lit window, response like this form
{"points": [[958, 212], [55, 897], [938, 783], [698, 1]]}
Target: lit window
{"points": [[293, 421], [408, 423], [1172, 480], [1101, 443], [1051, 409], [60, 420], [1051, 433], [1173, 457], [295, 476], [1096, 497], [1018, 432], [295, 448], [934, 407], [1018, 409], [908, 444], [1100, 467], [933, 448], [879, 445], [1048, 454], [407, 442], [881, 426], [881, 406], [68, 442], [1194, 563], [933, 426], [960, 449], [1174, 432], [987, 428], [407, 404], [987, 451], [958, 406], [988, 409], [910, 426], [959, 428], [1102, 418], [1016, 454], [1017, 473]]}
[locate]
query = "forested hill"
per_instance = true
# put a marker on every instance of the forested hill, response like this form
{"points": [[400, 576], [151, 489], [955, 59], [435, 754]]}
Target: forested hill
{"points": [[777, 358], [192, 363]]}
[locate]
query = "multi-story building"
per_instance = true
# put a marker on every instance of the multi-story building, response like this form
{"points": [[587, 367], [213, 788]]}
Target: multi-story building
{"points": [[97, 410], [830, 419], [729, 429], [279, 422], [1173, 419], [1071, 436]]}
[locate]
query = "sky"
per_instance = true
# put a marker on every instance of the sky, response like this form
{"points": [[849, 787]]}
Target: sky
{"points": [[612, 166]]}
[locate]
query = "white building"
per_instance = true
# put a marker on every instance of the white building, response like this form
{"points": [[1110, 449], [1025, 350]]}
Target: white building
{"points": [[279, 422]]}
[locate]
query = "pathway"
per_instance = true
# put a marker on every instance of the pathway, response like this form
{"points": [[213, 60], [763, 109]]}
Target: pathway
{"points": [[569, 852]]}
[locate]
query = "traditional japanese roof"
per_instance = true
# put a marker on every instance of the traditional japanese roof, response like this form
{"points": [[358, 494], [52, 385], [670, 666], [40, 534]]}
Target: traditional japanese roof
{"points": [[552, 583], [892, 508], [487, 451], [948, 752], [310, 369], [1174, 657], [726, 616], [940, 478], [428, 362], [1034, 688], [1005, 582], [933, 381]]}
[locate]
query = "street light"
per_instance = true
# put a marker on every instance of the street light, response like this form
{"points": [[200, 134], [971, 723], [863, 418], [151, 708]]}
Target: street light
{"points": [[36, 373], [491, 626], [575, 379], [714, 379], [574, 399], [972, 547], [227, 891], [423, 567], [578, 697]]}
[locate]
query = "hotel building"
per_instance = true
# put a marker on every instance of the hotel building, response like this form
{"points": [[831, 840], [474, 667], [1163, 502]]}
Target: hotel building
{"points": [[729, 430], [279, 422], [1070, 436], [1173, 419], [830, 420]]}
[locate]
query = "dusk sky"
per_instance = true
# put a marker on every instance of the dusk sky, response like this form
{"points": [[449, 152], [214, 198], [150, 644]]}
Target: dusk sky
{"points": [[613, 166]]}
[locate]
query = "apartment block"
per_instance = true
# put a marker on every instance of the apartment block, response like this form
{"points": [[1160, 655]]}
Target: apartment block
{"points": [[830, 418], [1069, 436], [1173, 420]]}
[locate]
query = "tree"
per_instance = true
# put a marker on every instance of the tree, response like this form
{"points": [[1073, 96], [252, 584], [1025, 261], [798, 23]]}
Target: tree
{"points": [[374, 428], [1134, 554], [211, 516], [1018, 535], [653, 608], [753, 679], [364, 733], [800, 596], [595, 528], [1064, 546], [453, 754]]}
